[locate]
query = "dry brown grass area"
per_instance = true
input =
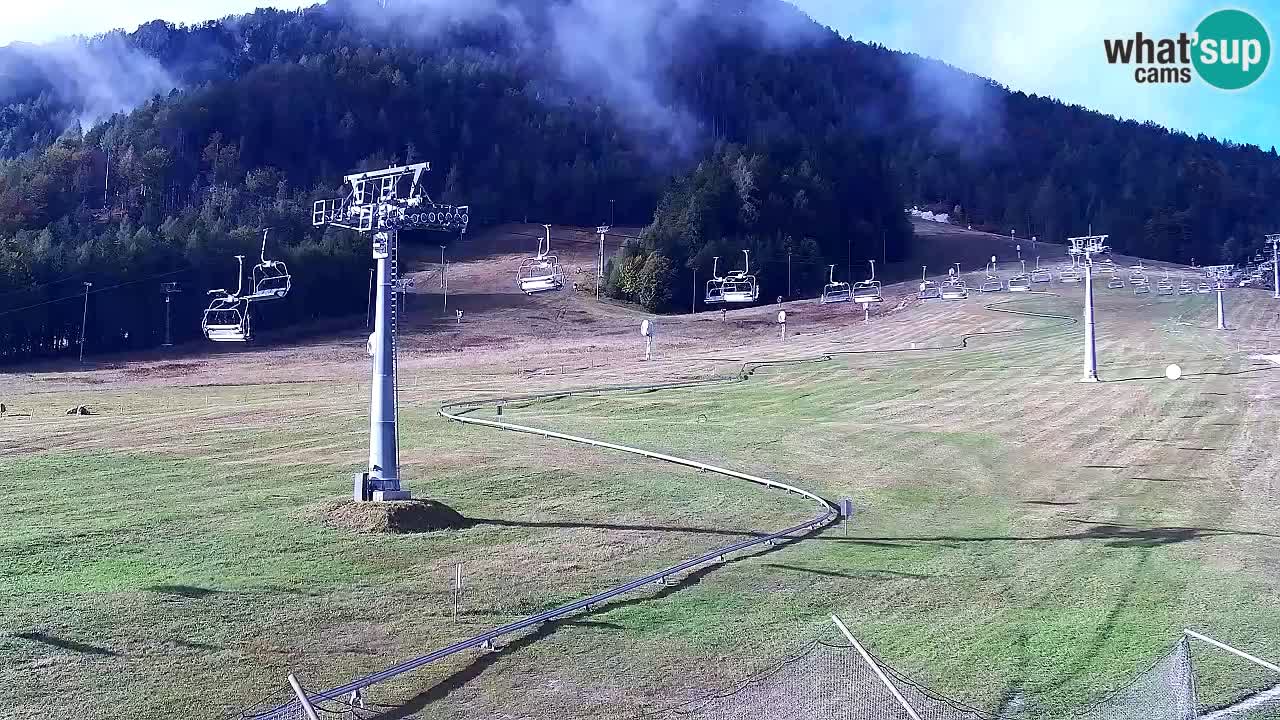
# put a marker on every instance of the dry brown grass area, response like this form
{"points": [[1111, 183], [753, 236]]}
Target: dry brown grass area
{"points": [[1016, 529]]}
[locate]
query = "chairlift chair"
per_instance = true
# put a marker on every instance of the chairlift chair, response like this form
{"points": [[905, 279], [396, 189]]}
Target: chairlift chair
{"points": [[1115, 282], [953, 288], [271, 279], [1141, 288], [1020, 282], [740, 285], [992, 282], [715, 286], [835, 292], [1137, 274], [1039, 274], [929, 289], [541, 272], [868, 291], [1165, 286], [227, 317], [1071, 274], [1184, 286]]}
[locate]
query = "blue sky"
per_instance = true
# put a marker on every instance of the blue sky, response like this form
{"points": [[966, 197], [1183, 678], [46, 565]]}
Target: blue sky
{"points": [[1054, 47], [1047, 47]]}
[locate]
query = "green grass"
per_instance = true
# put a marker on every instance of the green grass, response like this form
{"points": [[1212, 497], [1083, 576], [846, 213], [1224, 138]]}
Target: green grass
{"points": [[1010, 536]]}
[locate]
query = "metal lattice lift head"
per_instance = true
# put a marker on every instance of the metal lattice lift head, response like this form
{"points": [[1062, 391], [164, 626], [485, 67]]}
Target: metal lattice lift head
{"points": [[380, 204]]}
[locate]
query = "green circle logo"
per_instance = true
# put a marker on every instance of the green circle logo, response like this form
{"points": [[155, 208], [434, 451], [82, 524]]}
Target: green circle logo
{"points": [[1232, 50]]}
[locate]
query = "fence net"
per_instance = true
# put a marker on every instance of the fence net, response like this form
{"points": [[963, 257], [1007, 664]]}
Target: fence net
{"points": [[833, 682]]}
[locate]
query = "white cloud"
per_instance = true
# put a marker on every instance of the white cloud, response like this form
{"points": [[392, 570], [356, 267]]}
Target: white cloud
{"points": [[1050, 47], [45, 20]]}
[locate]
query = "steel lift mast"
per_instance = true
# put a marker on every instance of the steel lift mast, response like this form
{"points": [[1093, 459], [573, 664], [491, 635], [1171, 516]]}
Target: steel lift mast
{"points": [[379, 204], [1086, 247]]}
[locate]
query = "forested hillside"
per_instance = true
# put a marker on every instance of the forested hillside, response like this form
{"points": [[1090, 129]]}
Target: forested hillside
{"points": [[727, 124]]}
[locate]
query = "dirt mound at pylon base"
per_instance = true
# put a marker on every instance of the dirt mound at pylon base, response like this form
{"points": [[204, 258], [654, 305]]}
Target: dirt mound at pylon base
{"points": [[400, 517]]}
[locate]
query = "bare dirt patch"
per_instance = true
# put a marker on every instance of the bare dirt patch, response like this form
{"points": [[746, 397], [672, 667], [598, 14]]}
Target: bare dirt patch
{"points": [[403, 517]]}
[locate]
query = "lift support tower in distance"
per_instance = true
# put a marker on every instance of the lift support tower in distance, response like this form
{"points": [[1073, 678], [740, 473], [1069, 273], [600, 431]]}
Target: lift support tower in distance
{"points": [[1087, 247], [379, 204]]}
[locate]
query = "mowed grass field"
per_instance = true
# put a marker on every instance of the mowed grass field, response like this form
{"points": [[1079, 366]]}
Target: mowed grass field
{"points": [[1017, 533]]}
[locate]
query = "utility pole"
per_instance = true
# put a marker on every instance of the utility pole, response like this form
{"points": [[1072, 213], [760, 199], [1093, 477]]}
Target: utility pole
{"points": [[600, 264], [442, 266], [611, 222], [84, 318], [168, 289]]}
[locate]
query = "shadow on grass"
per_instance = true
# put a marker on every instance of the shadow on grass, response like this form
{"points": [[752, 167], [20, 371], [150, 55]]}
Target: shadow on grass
{"points": [[189, 592], [1117, 535], [867, 575], [71, 645], [574, 525], [1188, 376], [460, 678]]}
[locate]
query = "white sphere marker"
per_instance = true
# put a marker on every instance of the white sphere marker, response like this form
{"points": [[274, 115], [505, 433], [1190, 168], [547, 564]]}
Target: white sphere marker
{"points": [[1173, 372]]}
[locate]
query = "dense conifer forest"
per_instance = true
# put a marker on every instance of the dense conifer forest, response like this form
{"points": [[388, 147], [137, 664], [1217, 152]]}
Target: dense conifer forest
{"points": [[135, 158]]}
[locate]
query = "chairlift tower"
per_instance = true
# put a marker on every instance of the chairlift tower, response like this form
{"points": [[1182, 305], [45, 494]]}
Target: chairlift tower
{"points": [[379, 204], [168, 289], [603, 230], [1274, 241], [1219, 275], [1086, 247]]}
